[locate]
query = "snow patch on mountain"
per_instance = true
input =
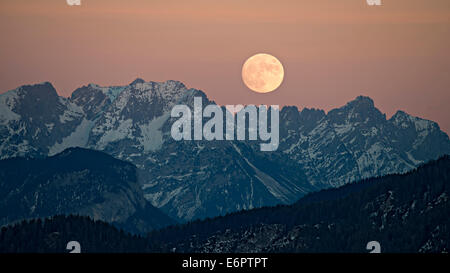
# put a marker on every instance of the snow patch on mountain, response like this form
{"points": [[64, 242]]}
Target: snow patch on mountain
{"points": [[152, 136], [124, 130], [113, 92], [71, 112], [78, 138], [7, 102], [162, 198]]}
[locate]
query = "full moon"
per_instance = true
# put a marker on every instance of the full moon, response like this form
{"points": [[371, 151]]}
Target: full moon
{"points": [[262, 73]]}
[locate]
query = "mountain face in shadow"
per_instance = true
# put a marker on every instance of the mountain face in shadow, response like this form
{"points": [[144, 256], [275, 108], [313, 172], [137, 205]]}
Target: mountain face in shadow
{"points": [[196, 179], [76, 181]]}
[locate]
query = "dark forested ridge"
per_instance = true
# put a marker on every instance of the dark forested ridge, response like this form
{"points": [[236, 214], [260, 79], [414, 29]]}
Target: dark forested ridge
{"points": [[51, 235], [405, 213]]}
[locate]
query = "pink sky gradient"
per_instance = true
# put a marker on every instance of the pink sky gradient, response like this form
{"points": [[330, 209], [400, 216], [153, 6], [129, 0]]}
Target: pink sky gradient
{"points": [[332, 51]]}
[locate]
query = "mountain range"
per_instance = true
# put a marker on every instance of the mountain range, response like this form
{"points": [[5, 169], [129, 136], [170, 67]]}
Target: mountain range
{"points": [[191, 180]]}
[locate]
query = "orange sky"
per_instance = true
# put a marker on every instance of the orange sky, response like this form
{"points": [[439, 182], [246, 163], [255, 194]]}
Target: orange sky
{"points": [[332, 51]]}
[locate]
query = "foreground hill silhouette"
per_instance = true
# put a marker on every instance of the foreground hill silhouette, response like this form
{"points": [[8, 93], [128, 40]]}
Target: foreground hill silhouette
{"points": [[52, 234]]}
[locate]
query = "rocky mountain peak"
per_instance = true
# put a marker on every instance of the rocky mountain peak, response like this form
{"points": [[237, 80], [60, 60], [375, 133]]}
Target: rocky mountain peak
{"points": [[288, 109], [361, 110], [403, 120], [360, 104], [400, 116], [362, 101], [38, 101], [37, 92], [312, 114], [137, 80]]}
